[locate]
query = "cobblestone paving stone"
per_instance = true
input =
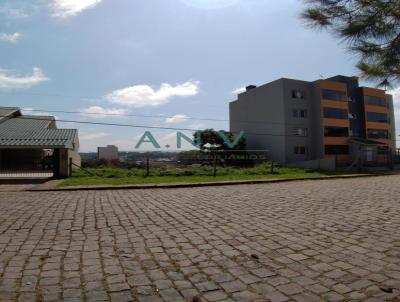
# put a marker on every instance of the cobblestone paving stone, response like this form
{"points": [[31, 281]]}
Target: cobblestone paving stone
{"points": [[336, 240]]}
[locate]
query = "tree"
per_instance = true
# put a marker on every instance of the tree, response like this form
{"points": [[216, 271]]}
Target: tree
{"points": [[214, 138], [372, 29]]}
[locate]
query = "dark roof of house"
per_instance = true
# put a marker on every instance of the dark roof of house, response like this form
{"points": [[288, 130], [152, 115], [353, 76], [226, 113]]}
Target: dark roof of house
{"points": [[31, 131]]}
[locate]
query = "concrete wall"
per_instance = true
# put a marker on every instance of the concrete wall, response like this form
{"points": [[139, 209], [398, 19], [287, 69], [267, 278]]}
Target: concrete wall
{"points": [[292, 122], [76, 159], [316, 122], [61, 163], [392, 130], [260, 114], [326, 164], [74, 155], [269, 109], [62, 160]]}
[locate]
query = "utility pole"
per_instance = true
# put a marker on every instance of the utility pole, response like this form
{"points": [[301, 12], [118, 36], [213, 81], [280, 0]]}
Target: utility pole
{"points": [[215, 163], [147, 165]]}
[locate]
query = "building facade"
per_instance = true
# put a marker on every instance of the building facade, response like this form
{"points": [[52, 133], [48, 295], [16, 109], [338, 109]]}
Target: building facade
{"points": [[299, 121], [109, 152]]}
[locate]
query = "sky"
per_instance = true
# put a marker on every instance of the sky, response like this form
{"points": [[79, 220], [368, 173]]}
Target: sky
{"points": [[166, 63]]}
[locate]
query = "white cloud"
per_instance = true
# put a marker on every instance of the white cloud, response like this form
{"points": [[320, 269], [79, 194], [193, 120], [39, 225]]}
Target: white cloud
{"points": [[10, 38], [31, 111], [10, 80], [144, 95], [178, 118], [90, 140], [18, 9], [239, 90], [100, 112], [93, 136], [69, 8]]}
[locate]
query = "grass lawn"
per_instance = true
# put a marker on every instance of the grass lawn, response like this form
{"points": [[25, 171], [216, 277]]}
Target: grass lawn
{"points": [[117, 176]]}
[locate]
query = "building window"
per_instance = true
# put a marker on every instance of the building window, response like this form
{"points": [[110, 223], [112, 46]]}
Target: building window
{"points": [[336, 131], [300, 113], [300, 131], [336, 149], [378, 134], [300, 150], [377, 117], [336, 113], [375, 101], [334, 95], [298, 94]]}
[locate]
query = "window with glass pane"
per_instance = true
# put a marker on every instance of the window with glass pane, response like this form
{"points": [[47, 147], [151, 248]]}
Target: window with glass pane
{"points": [[336, 131], [300, 150], [336, 113], [378, 134], [300, 131], [377, 117], [375, 101], [298, 94], [334, 95], [300, 113]]}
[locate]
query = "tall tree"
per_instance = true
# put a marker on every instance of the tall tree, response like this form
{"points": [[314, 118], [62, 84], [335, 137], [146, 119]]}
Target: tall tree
{"points": [[372, 29], [210, 139], [214, 138]]}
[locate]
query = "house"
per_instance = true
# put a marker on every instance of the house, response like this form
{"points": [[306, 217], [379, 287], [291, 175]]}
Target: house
{"points": [[300, 121], [109, 152], [34, 143]]}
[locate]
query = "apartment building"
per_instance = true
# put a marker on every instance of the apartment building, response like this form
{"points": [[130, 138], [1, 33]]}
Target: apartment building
{"points": [[299, 120]]}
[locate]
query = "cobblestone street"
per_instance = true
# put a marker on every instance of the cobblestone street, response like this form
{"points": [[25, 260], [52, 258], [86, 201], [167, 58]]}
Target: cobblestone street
{"points": [[331, 240]]}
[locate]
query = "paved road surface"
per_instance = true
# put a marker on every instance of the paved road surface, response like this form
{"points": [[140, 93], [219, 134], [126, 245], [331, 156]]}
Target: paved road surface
{"points": [[334, 240]]}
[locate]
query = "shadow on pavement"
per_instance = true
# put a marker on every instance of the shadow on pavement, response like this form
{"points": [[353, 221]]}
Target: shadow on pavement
{"points": [[20, 184]]}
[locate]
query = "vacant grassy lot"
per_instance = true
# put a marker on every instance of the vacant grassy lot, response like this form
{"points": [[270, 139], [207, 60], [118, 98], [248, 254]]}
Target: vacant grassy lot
{"points": [[117, 176]]}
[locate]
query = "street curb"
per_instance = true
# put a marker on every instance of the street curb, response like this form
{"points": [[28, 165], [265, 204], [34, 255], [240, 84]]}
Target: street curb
{"points": [[199, 184]]}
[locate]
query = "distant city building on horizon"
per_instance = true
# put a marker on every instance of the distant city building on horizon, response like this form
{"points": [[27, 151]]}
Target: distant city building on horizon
{"points": [[301, 121], [109, 152]]}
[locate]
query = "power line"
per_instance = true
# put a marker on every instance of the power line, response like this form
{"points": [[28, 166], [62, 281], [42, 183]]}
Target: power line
{"points": [[127, 115], [146, 126], [134, 126], [158, 117], [155, 116]]}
